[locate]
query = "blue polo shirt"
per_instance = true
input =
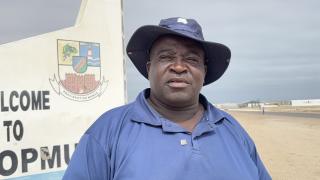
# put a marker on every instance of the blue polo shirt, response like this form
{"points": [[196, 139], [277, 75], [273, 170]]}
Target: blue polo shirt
{"points": [[133, 142]]}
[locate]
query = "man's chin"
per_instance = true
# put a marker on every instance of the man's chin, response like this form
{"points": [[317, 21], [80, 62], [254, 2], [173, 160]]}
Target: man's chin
{"points": [[179, 99]]}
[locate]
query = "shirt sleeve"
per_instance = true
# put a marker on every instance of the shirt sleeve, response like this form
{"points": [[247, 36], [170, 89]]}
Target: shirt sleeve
{"points": [[263, 173], [251, 148], [89, 161]]}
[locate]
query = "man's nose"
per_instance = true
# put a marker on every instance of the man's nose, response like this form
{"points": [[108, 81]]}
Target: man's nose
{"points": [[178, 66]]}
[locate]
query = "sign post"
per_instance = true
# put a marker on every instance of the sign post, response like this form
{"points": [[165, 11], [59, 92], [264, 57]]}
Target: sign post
{"points": [[53, 86]]}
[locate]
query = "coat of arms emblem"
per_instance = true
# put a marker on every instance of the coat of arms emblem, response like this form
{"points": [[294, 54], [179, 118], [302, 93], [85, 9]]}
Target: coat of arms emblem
{"points": [[79, 74]]}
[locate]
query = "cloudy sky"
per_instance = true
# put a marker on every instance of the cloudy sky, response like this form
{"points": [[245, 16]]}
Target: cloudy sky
{"points": [[275, 44]]}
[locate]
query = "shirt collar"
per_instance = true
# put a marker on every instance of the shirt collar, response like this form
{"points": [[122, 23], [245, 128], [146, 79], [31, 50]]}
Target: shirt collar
{"points": [[144, 113]]}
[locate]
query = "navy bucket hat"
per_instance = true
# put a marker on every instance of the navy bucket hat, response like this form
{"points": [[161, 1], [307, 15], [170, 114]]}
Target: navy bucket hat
{"points": [[217, 55]]}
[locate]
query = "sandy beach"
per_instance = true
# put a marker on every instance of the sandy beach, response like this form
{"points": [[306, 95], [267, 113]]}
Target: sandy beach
{"points": [[288, 145]]}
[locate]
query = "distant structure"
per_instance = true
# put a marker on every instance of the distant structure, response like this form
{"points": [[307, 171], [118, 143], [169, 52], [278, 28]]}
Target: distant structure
{"points": [[256, 104], [251, 104], [228, 106], [306, 102]]}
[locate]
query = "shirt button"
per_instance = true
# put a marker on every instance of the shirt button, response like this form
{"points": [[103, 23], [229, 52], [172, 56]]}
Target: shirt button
{"points": [[183, 142]]}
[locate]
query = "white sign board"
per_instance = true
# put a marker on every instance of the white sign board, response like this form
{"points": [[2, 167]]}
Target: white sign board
{"points": [[54, 86]]}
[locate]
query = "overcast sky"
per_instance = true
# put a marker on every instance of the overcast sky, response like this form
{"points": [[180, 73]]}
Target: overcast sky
{"points": [[275, 44]]}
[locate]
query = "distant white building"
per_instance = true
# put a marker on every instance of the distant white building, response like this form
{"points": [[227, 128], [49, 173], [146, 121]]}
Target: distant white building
{"points": [[228, 106], [251, 104], [306, 102]]}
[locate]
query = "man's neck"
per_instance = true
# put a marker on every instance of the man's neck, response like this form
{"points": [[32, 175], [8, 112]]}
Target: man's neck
{"points": [[186, 116]]}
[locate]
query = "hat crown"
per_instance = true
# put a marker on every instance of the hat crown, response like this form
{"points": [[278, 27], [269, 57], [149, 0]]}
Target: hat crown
{"points": [[188, 27]]}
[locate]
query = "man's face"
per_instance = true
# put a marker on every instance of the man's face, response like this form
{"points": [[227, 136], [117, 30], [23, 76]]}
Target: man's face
{"points": [[176, 71]]}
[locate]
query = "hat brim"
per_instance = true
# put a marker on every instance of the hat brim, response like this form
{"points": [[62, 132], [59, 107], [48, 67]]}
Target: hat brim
{"points": [[217, 55]]}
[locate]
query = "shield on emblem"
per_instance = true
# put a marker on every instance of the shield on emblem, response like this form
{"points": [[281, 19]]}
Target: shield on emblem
{"points": [[79, 66]]}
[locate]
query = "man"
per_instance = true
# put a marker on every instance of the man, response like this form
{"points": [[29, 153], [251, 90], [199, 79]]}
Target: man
{"points": [[171, 132]]}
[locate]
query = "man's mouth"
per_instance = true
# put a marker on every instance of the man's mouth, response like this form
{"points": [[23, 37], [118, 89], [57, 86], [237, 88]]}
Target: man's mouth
{"points": [[178, 83]]}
